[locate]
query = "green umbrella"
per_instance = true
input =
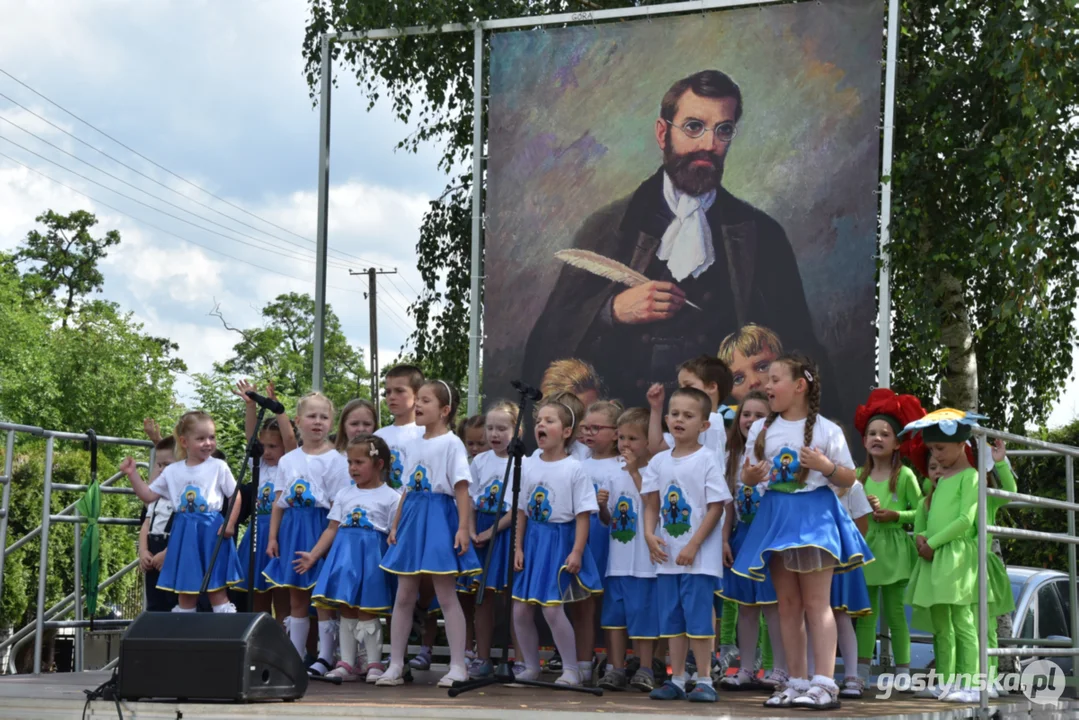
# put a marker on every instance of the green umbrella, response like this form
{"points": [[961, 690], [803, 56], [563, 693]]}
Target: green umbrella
{"points": [[89, 508]]}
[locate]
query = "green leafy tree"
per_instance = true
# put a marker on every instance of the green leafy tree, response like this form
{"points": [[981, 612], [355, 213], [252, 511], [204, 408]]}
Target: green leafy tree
{"points": [[985, 242], [64, 258], [282, 350], [983, 227]]}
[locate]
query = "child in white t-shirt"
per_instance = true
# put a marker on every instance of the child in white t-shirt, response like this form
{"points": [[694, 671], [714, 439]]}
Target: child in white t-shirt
{"points": [[553, 562], [629, 602], [711, 376], [685, 496]]}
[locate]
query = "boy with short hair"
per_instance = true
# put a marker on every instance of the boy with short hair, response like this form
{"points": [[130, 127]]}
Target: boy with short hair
{"points": [[685, 494], [402, 384], [154, 533], [711, 376], [749, 352], [629, 605]]}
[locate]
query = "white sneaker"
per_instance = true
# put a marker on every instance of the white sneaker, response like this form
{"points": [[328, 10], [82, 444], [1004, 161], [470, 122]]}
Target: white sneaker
{"points": [[374, 672], [526, 674], [962, 696], [394, 675], [994, 694], [569, 677], [456, 674], [932, 692]]}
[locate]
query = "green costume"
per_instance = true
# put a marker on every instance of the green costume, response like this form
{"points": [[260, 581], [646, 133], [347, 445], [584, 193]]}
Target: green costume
{"points": [[1001, 601], [895, 556], [942, 592]]}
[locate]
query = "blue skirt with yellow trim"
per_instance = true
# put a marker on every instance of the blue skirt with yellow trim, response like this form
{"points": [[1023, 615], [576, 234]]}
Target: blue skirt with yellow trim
{"points": [[351, 574], [301, 527], [191, 545], [740, 589], [849, 593], [788, 521], [545, 579], [599, 542], [425, 537], [498, 573], [262, 532]]}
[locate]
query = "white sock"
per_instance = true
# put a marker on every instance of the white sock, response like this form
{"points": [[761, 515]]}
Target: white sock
{"points": [[297, 633], [584, 669], [848, 644], [679, 681], [369, 632], [348, 641], [177, 608], [705, 680], [327, 639], [863, 670], [225, 607]]}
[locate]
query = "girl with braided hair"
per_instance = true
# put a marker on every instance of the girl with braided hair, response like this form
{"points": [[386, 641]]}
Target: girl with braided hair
{"points": [[801, 535]]}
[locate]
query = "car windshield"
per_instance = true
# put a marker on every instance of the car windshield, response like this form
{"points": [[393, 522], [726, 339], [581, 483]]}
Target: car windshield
{"points": [[1017, 589]]}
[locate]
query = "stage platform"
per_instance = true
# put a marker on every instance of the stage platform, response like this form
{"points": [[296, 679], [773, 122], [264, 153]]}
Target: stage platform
{"points": [[60, 696]]}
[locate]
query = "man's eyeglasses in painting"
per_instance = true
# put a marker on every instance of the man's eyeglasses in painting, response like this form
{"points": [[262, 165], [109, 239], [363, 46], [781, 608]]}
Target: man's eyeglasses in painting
{"points": [[695, 129]]}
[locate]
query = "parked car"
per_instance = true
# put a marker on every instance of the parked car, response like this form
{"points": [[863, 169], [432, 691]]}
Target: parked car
{"points": [[1042, 610]]}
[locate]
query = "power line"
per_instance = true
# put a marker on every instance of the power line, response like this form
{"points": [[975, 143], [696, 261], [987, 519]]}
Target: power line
{"points": [[393, 313], [145, 192], [159, 210], [395, 300], [393, 318], [160, 229], [175, 175]]}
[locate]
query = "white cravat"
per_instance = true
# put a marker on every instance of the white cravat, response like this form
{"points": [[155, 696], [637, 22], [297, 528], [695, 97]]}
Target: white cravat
{"points": [[687, 244]]}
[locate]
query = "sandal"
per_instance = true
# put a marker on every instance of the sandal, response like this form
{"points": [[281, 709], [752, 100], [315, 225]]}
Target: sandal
{"points": [[853, 687], [319, 668], [818, 697], [741, 680], [782, 697], [775, 678]]}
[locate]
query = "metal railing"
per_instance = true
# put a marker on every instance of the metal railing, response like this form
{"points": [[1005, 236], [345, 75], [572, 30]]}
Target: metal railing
{"points": [[1037, 646], [43, 617]]}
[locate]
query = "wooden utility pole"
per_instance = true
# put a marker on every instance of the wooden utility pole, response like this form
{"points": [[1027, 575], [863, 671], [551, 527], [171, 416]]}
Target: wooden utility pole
{"points": [[371, 273]]}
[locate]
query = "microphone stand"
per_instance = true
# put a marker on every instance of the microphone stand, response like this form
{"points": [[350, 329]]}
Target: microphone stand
{"points": [[251, 442], [503, 674], [255, 453]]}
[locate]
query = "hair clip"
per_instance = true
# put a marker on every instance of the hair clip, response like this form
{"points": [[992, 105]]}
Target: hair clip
{"points": [[809, 376], [372, 450]]}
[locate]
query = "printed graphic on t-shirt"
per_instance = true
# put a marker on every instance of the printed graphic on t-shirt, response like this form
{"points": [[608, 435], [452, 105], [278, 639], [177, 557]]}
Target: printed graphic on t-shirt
{"points": [[624, 520], [419, 481], [539, 505], [299, 495], [264, 506], [487, 502], [396, 469], [676, 512], [785, 466], [357, 518], [748, 500], [193, 501]]}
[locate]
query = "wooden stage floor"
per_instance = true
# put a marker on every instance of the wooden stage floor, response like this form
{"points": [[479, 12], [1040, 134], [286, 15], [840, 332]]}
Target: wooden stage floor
{"points": [[61, 696]]}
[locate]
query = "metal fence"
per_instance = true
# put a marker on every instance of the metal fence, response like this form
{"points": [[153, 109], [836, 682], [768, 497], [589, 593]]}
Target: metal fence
{"points": [[49, 618]]}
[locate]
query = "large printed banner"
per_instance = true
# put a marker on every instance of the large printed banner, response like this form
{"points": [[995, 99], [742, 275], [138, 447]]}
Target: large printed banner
{"points": [[659, 189]]}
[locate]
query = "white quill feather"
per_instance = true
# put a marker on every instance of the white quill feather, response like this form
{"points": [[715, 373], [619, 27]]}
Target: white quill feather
{"points": [[605, 267]]}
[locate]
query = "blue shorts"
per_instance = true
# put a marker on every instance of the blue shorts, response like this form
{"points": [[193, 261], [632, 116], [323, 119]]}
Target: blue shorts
{"points": [[685, 605], [630, 604]]}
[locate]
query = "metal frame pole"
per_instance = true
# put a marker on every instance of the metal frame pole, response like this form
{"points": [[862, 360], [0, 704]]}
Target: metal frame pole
{"points": [[1073, 591], [4, 501], [78, 597], [43, 566], [321, 238], [477, 224], [884, 299], [984, 459]]}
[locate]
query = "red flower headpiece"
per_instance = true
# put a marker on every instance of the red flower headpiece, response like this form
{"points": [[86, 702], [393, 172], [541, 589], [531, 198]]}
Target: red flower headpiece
{"points": [[903, 409]]}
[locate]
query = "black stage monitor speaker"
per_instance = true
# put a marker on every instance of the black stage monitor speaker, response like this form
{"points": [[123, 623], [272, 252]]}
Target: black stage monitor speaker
{"points": [[241, 657]]}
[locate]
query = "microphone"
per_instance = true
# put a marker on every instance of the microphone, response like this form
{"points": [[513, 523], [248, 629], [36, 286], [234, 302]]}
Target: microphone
{"points": [[264, 402], [527, 390]]}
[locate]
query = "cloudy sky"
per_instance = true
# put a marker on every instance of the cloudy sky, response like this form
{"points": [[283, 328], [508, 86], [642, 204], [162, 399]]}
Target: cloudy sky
{"points": [[214, 92]]}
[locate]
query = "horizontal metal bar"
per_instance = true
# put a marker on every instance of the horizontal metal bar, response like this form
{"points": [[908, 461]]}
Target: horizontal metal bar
{"points": [[1031, 453], [1028, 499], [100, 521], [1038, 642], [32, 429], [1021, 534], [37, 531], [1029, 442], [101, 439], [82, 488], [103, 624], [557, 19], [1044, 652]]}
